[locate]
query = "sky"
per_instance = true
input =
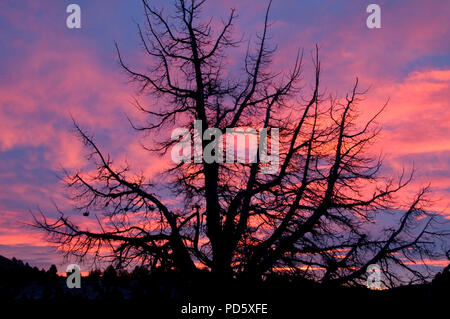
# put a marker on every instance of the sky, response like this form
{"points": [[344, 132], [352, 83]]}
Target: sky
{"points": [[50, 73]]}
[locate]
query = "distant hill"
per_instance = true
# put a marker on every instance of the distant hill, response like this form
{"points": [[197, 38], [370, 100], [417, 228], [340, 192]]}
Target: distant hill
{"points": [[10, 264], [5, 263]]}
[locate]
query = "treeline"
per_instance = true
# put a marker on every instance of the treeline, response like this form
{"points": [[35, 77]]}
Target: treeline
{"points": [[23, 283], [16, 272]]}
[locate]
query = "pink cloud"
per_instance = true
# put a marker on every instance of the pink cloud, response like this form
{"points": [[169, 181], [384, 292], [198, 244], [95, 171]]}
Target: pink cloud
{"points": [[53, 81]]}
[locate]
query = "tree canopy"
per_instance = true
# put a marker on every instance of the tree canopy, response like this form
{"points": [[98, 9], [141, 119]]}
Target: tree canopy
{"points": [[316, 217]]}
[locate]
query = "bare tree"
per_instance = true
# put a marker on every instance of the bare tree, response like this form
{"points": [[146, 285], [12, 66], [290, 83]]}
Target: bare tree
{"points": [[316, 217]]}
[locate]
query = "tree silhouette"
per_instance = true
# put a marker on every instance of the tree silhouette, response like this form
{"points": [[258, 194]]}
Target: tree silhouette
{"points": [[317, 216]]}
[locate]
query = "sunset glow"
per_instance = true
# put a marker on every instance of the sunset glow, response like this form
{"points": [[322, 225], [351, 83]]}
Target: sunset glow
{"points": [[50, 74]]}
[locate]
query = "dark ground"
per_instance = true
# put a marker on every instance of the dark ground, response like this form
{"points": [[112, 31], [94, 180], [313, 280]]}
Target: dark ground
{"points": [[162, 295]]}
